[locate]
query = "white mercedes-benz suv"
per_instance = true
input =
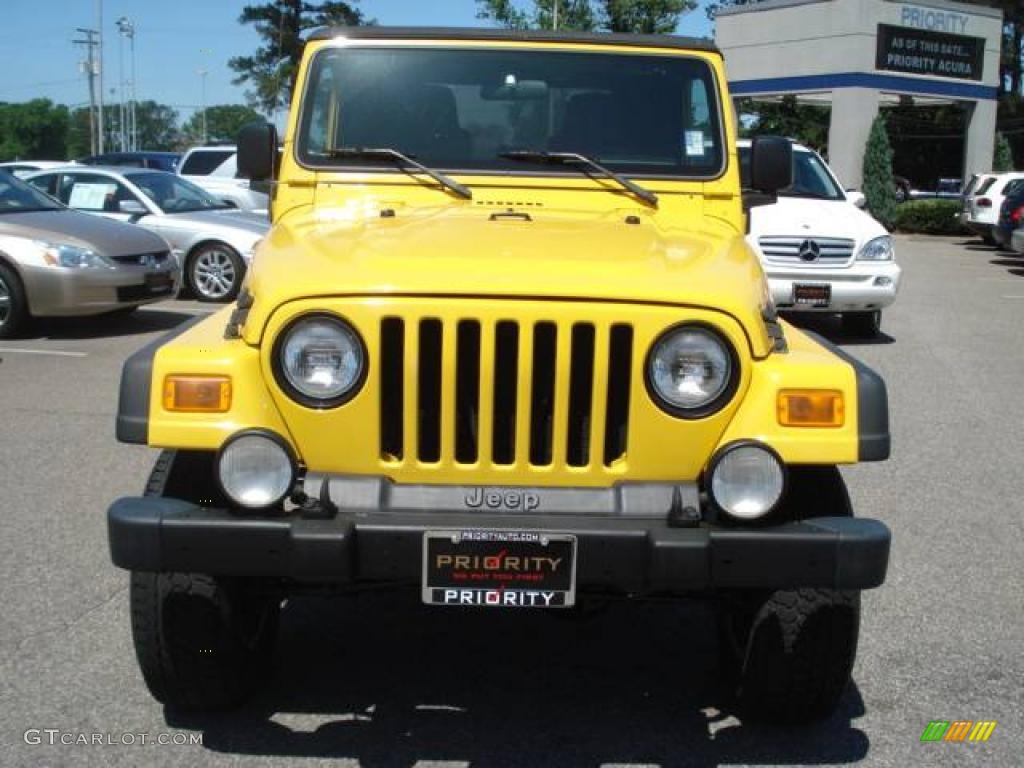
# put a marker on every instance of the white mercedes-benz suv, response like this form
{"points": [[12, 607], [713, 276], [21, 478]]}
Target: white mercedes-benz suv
{"points": [[819, 250]]}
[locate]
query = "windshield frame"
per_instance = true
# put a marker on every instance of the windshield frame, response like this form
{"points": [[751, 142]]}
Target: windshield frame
{"points": [[717, 115]]}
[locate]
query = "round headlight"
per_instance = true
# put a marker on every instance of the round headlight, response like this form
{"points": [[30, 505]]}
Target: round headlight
{"points": [[255, 470], [691, 371], [747, 480], [320, 360]]}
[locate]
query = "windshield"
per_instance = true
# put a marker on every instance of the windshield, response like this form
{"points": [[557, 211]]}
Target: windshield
{"points": [[460, 109], [18, 197], [173, 194], [811, 177]]}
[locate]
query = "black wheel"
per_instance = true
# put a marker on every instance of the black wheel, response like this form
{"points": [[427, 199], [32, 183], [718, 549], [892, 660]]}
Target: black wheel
{"points": [[215, 272], [988, 239], [13, 305], [790, 652], [202, 642], [863, 324]]}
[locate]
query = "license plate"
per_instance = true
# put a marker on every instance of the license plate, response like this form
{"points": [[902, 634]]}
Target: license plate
{"points": [[499, 569], [159, 282], [818, 295]]}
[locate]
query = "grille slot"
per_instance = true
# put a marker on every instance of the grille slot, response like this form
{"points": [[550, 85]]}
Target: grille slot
{"points": [[505, 393], [392, 354], [467, 392], [581, 390], [620, 367], [429, 391], [542, 393], [506, 378]]}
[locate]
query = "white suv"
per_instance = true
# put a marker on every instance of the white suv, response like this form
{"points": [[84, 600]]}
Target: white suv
{"points": [[820, 252], [982, 200], [215, 170]]}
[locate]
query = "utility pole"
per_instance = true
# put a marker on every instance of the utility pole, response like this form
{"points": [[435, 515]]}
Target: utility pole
{"points": [[99, 68], [554, 13], [91, 69], [202, 75]]}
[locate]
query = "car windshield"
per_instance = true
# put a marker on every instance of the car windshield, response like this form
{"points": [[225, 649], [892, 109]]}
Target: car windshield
{"points": [[811, 177], [18, 197], [175, 195], [461, 109]]}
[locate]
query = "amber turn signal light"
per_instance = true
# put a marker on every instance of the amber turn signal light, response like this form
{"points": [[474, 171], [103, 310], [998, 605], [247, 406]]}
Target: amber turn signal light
{"points": [[811, 408], [197, 394]]}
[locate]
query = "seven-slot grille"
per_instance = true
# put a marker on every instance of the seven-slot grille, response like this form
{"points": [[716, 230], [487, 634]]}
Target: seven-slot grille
{"points": [[507, 393], [809, 251]]}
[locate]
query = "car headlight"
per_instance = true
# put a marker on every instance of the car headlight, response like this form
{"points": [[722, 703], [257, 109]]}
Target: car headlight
{"points": [[73, 256], [879, 249], [746, 480], [691, 371], [320, 361], [256, 469]]}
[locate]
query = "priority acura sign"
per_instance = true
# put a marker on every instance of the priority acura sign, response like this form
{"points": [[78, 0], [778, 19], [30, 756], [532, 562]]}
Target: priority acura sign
{"points": [[923, 52]]}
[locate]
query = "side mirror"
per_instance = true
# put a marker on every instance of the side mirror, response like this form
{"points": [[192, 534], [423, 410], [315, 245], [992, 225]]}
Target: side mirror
{"points": [[771, 164], [856, 197], [257, 151], [133, 207]]}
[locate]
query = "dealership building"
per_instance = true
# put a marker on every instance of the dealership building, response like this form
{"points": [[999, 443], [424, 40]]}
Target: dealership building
{"points": [[858, 55]]}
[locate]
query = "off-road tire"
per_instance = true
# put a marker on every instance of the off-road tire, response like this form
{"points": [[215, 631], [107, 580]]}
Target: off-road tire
{"points": [[787, 654], [14, 311], [203, 643], [796, 660], [865, 325]]}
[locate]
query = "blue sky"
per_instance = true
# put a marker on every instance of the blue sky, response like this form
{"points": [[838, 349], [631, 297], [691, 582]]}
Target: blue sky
{"points": [[174, 39]]}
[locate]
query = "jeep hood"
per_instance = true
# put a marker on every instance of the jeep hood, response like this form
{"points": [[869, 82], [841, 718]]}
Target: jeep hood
{"points": [[479, 252]]}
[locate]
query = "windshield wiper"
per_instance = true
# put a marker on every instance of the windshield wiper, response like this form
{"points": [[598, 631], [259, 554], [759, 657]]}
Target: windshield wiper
{"points": [[572, 158], [386, 153]]}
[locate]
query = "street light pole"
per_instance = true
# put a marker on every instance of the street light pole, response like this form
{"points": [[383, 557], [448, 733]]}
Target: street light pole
{"points": [[126, 28], [202, 75], [99, 45]]}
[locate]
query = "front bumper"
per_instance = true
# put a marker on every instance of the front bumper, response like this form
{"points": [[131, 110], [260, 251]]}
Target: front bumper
{"points": [[628, 555], [68, 292], [853, 289]]}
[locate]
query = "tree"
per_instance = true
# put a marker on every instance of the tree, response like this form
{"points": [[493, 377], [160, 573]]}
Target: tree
{"points": [[223, 122], [641, 16], [281, 25], [33, 130], [157, 126], [879, 187], [807, 124], [1003, 160]]}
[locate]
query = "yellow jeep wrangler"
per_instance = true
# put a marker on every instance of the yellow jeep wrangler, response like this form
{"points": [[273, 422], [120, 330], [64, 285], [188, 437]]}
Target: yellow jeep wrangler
{"points": [[504, 346]]}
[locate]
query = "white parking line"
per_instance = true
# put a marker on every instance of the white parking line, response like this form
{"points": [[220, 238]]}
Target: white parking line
{"points": [[54, 352], [1013, 297]]}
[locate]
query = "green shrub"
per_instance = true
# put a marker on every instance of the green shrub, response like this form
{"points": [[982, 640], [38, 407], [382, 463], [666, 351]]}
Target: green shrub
{"points": [[1003, 158], [929, 217], [879, 187]]}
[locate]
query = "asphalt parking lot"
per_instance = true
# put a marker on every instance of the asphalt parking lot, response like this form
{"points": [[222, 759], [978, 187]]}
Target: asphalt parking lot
{"points": [[379, 681]]}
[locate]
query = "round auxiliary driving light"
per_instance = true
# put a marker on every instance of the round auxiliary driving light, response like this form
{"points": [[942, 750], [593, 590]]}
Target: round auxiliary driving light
{"points": [[320, 361], [747, 480], [256, 470], [691, 371]]}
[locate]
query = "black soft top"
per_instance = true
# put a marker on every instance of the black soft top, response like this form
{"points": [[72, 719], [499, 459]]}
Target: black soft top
{"points": [[531, 35]]}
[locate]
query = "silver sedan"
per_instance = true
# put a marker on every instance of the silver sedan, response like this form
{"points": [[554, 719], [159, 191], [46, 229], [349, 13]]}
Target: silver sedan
{"points": [[213, 242]]}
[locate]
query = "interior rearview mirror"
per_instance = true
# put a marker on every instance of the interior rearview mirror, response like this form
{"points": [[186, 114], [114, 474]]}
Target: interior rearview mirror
{"points": [[771, 164], [257, 151]]}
